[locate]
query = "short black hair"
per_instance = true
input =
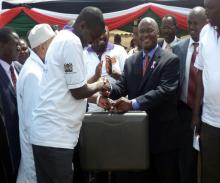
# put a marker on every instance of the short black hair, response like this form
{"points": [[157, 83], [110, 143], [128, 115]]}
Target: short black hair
{"points": [[6, 35], [172, 17], [92, 16]]}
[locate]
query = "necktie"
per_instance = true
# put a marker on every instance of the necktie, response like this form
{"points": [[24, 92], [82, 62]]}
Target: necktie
{"points": [[13, 77], [145, 64], [192, 78]]}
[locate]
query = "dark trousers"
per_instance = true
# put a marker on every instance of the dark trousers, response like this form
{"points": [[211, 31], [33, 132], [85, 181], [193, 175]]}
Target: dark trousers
{"points": [[53, 165], [210, 153], [163, 169], [188, 155]]}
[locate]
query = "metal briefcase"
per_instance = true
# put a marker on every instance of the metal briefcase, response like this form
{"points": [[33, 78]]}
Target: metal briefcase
{"points": [[111, 141]]}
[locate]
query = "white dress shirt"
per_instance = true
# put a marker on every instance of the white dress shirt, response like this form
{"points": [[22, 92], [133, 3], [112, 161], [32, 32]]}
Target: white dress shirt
{"points": [[208, 60], [190, 50], [28, 89]]}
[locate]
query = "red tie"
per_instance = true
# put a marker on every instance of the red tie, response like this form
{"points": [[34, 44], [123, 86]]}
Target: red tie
{"points": [[13, 77], [145, 64], [192, 78]]}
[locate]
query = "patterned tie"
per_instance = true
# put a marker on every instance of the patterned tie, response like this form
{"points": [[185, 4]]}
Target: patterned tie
{"points": [[145, 64], [13, 77], [192, 78]]}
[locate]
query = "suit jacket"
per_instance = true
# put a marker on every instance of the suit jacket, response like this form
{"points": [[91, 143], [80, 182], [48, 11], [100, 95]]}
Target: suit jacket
{"points": [[160, 41], [5, 160], [180, 49], [10, 127], [156, 93]]}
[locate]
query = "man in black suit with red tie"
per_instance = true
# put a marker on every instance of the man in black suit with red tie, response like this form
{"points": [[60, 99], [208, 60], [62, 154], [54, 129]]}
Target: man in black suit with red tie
{"points": [[151, 81], [186, 50], [10, 146]]}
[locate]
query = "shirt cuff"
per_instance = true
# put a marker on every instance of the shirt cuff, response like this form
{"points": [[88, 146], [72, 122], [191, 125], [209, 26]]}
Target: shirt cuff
{"points": [[135, 104]]}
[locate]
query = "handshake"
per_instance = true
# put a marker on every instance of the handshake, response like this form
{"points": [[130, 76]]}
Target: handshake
{"points": [[103, 100]]}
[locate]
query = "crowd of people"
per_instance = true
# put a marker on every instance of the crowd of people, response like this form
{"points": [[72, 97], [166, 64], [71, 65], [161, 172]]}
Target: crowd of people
{"points": [[48, 83]]}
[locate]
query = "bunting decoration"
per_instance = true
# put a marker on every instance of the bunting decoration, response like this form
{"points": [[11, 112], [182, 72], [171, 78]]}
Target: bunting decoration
{"points": [[114, 20]]}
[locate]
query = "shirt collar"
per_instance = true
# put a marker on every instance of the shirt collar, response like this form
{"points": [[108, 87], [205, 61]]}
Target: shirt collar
{"points": [[151, 52], [69, 28], [191, 41]]}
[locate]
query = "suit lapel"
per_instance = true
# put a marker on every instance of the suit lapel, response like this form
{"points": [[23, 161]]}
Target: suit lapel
{"points": [[184, 49], [6, 81], [156, 57]]}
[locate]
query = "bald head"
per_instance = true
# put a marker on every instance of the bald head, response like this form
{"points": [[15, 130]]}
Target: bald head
{"points": [[196, 20], [151, 21], [147, 33], [199, 12]]}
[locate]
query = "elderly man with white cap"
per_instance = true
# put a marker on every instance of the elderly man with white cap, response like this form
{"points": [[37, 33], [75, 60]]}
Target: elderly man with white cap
{"points": [[28, 91]]}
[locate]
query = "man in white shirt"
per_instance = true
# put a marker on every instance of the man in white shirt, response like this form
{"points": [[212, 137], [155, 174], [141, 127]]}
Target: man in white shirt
{"points": [[60, 109], [208, 92], [187, 50], [104, 59], [168, 32], [28, 89]]}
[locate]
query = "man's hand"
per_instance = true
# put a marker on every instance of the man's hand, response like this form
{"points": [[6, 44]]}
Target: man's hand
{"points": [[104, 103], [196, 124], [97, 75], [108, 64], [98, 71], [116, 75], [105, 91], [122, 105]]}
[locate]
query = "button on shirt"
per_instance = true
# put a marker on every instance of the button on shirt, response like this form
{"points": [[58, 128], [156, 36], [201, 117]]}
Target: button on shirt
{"points": [[28, 90], [6, 67], [208, 60], [187, 68], [57, 119]]}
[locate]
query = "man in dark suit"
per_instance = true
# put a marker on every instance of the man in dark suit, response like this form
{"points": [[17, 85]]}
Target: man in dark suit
{"points": [[151, 79], [185, 51], [9, 43], [5, 167]]}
